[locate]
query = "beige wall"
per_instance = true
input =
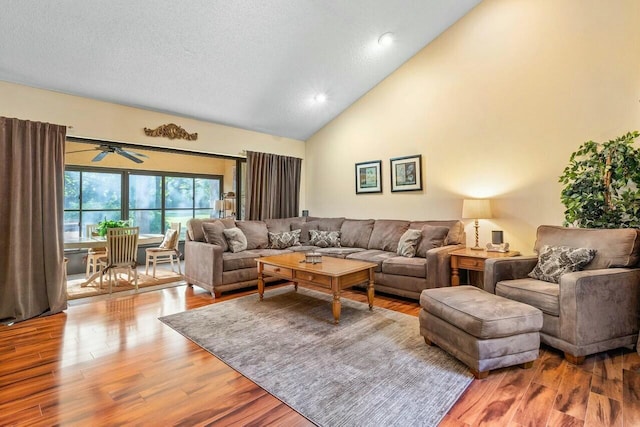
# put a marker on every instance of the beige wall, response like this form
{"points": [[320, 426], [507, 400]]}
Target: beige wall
{"points": [[495, 106], [112, 122]]}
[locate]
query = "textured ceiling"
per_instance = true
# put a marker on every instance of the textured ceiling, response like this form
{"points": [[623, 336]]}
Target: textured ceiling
{"points": [[252, 64]]}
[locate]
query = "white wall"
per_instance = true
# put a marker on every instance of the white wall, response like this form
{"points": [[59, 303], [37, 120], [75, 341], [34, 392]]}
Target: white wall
{"points": [[495, 106]]}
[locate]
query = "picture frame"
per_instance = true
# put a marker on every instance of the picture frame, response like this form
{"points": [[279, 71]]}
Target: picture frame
{"points": [[369, 177], [406, 173]]}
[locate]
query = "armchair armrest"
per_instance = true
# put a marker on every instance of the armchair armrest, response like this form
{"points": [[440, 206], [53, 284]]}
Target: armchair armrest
{"points": [[439, 266], [598, 305], [203, 264], [498, 269]]}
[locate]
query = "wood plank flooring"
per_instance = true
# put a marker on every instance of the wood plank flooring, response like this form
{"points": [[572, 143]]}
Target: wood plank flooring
{"points": [[111, 362]]}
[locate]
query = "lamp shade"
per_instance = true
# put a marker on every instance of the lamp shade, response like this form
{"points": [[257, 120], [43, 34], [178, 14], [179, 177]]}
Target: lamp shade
{"points": [[219, 205], [476, 208]]}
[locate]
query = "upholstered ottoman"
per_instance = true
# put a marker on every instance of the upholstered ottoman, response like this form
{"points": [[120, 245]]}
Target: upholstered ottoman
{"points": [[482, 330]]}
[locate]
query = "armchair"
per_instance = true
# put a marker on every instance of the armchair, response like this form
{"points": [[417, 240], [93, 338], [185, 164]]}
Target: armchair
{"points": [[588, 311]]}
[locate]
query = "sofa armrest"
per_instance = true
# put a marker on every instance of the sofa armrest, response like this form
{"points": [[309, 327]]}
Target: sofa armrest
{"points": [[498, 269], [439, 266], [203, 264], [597, 305]]}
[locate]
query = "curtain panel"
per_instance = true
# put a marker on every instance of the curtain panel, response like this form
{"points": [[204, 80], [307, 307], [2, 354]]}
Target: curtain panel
{"points": [[273, 186], [32, 272]]}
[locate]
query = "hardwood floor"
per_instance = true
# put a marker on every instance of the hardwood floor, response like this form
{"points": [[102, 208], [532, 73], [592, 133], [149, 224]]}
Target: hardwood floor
{"points": [[111, 362]]}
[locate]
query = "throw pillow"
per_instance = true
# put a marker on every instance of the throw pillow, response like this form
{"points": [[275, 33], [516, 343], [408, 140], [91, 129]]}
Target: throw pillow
{"points": [[304, 234], [408, 243], [170, 239], [284, 240], [433, 236], [554, 261], [214, 234], [235, 239], [324, 239], [256, 233]]}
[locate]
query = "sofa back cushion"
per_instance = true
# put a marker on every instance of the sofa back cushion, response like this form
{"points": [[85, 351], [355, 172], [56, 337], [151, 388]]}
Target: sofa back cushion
{"points": [[281, 225], [256, 233], [214, 234], [355, 233], [386, 234], [327, 224], [455, 235], [194, 227], [433, 236], [618, 247]]}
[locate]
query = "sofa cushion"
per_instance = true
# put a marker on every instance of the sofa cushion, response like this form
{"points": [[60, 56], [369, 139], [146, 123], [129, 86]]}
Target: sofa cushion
{"points": [[303, 248], [386, 234], [403, 266], [373, 255], [324, 239], [235, 239], [194, 227], [256, 233], [238, 260], [408, 243], [214, 234], [328, 224], [284, 240], [279, 225], [304, 230], [269, 252], [338, 252], [432, 236], [355, 233], [455, 234], [616, 247], [542, 295], [554, 261]]}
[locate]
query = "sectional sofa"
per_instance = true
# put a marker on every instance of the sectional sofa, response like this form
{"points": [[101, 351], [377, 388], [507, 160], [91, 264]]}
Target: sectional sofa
{"points": [[211, 263]]}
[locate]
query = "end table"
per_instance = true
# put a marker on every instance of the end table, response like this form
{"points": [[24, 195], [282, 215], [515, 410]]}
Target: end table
{"points": [[473, 260]]}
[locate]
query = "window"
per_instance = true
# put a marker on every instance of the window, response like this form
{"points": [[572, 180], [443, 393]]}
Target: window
{"points": [[151, 200]]}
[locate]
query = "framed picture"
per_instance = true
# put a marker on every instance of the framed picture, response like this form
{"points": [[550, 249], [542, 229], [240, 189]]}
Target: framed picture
{"points": [[369, 177], [406, 173]]}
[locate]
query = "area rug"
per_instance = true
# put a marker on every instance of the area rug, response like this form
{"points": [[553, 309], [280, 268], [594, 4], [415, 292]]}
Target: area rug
{"points": [[373, 368], [75, 290]]}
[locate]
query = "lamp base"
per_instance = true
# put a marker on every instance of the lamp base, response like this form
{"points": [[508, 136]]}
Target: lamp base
{"points": [[477, 248]]}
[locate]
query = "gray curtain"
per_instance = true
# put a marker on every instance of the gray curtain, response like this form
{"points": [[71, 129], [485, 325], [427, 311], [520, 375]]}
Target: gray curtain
{"points": [[273, 186], [32, 274]]}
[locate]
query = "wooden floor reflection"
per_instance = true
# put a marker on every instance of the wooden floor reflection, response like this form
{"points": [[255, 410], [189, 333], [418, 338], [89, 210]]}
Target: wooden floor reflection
{"points": [[110, 361]]}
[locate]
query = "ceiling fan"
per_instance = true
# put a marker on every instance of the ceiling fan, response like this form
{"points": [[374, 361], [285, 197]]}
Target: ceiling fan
{"points": [[108, 149]]}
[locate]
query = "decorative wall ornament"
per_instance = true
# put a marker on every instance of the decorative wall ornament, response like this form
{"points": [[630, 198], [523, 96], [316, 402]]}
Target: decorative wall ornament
{"points": [[171, 131]]}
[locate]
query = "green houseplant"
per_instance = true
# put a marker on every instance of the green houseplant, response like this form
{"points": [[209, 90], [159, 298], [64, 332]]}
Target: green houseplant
{"points": [[602, 184], [110, 223]]}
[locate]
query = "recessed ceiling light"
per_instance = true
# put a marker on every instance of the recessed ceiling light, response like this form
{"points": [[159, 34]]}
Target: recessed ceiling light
{"points": [[320, 98], [386, 39]]}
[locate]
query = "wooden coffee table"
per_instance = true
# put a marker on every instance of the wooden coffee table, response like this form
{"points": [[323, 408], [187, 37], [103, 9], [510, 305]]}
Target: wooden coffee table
{"points": [[332, 273]]}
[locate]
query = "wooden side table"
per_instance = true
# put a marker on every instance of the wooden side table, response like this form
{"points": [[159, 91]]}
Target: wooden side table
{"points": [[473, 260]]}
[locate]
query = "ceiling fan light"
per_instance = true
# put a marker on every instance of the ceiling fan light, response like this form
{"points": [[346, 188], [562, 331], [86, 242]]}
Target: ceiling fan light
{"points": [[386, 39]]}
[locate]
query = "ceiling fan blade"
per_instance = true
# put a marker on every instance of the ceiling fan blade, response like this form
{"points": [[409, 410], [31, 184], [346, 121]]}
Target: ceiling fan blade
{"points": [[133, 153], [82, 151], [128, 155], [100, 156]]}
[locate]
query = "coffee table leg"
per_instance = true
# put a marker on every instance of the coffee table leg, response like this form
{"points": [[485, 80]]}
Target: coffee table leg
{"points": [[336, 306], [260, 282], [295, 286]]}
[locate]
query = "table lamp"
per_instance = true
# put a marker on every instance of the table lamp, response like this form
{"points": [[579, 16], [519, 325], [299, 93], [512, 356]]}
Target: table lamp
{"points": [[219, 206], [476, 209]]}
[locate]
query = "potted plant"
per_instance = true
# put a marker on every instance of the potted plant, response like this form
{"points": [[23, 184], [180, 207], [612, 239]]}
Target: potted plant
{"points": [[602, 184], [110, 223]]}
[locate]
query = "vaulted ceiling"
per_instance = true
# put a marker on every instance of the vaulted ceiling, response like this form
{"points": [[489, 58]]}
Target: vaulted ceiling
{"points": [[262, 65]]}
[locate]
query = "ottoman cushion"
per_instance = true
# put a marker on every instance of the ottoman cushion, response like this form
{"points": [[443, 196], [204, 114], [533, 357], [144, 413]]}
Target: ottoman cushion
{"points": [[480, 313]]}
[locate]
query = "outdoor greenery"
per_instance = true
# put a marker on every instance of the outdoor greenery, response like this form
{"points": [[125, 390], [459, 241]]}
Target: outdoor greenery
{"points": [[109, 223], [602, 184]]}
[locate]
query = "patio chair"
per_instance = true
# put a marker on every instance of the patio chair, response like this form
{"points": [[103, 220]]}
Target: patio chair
{"points": [[122, 249], [167, 251]]}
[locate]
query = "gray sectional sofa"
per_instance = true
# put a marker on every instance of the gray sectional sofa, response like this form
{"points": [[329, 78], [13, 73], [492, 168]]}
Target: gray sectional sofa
{"points": [[210, 263]]}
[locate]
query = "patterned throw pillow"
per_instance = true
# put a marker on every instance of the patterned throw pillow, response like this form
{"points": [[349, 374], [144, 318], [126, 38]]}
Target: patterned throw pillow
{"points": [[324, 239], [408, 243], [284, 240], [170, 239], [235, 239], [554, 261]]}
